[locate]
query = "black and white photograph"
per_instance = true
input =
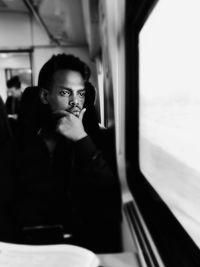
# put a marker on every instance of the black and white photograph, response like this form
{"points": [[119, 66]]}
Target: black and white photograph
{"points": [[99, 133]]}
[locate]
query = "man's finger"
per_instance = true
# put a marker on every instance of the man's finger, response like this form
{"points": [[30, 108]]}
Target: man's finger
{"points": [[59, 113], [82, 113]]}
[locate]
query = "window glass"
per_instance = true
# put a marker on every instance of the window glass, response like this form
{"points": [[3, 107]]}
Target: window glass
{"points": [[169, 81]]}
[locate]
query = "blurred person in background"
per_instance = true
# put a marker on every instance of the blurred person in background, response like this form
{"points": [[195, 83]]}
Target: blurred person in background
{"points": [[14, 95]]}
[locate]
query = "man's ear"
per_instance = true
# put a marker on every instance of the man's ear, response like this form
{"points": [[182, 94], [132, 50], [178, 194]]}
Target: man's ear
{"points": [[44, 96]]}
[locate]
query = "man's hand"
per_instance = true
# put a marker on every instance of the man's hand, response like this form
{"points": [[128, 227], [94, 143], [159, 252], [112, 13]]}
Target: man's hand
{"points": [[69, 125]]}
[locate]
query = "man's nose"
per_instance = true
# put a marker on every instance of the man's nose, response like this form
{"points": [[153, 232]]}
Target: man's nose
{"points": [[73, 100]]}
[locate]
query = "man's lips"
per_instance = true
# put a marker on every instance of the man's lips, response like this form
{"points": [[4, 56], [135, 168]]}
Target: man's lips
{"points": [[59, 114], [76, 111]]}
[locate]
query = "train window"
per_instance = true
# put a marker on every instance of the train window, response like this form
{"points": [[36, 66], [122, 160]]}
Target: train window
{"points": [[169, 108]]}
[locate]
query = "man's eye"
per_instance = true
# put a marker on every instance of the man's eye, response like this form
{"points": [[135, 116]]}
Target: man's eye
{"points": [[64, 93], [82, 94]]}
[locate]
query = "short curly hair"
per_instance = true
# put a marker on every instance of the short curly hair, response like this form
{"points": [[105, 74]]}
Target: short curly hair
{"points": [[62, 62]]}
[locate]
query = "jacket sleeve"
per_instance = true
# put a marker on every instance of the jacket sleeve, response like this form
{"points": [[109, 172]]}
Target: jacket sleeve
{"points": [[97, 198], [86, 152], [96, 185]]}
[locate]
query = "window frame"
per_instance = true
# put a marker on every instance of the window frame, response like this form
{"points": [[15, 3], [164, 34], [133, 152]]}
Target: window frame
{"points": [[175, 246]]}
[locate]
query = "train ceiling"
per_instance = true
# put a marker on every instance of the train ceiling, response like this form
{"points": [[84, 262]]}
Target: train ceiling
{"points": [[63, 20]]}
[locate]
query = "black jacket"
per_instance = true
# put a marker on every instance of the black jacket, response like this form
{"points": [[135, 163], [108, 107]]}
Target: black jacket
{"points": [[75, 188]]}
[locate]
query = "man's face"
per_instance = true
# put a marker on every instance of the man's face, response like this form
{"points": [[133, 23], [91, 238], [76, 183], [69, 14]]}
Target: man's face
{"points": [[67, 92]]}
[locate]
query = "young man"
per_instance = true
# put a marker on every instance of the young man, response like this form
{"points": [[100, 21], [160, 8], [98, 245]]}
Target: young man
{"points": [[64, 186]]}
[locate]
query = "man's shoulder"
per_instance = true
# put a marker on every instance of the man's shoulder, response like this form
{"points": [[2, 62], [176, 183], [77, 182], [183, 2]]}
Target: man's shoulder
{"points": [[107, 135]]}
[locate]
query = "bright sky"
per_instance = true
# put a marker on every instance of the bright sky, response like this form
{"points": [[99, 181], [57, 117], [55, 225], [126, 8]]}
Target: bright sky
{"points": [[170, 50]]}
